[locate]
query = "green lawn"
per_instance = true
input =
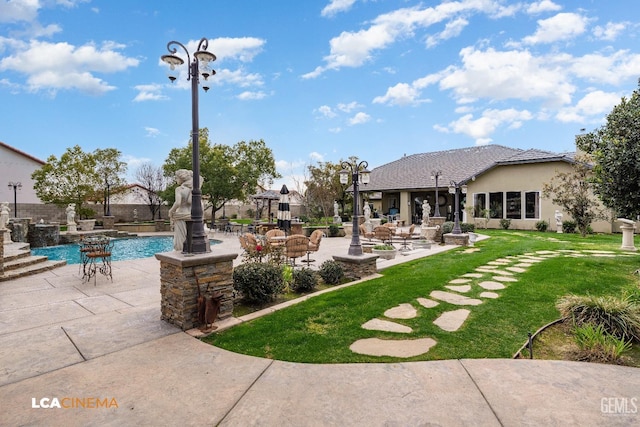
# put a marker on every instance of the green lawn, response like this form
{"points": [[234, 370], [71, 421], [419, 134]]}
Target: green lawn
{"points": [[321, 329]]}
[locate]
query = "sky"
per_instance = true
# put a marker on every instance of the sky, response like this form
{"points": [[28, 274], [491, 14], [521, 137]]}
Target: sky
{"points": [[317, 80]]}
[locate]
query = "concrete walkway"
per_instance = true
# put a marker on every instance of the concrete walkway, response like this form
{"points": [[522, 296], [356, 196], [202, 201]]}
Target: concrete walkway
{"points": [[73, 342]]}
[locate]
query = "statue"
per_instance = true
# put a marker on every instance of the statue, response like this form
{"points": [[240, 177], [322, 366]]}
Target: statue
{"points": [[335, 208], [71, 214], [180, 212], [558, 217], [367, 212], [426, 211], [4, 215]]}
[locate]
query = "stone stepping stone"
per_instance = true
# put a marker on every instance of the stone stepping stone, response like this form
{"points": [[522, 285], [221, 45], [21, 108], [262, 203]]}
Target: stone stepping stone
{"points": [[489, 267], [403, 311], [516, 269], [605, 255], [485, 270], [595, 251], [491, 295], [473, 275], [455, 299], [459, 288], [531, 259], [451, 321], [459, 281], [470, 250], [505, 279], [523, 265], [502, 272], [427, 303], [387, 326], [492, 286], [393, 348], [547, 252], [507, 260], [498, 263]]}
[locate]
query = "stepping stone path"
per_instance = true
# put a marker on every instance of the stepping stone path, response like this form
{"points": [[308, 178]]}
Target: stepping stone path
{"points": [[502, 271]]}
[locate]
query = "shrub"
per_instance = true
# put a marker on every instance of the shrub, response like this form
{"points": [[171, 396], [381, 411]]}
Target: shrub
{"points": [[505, 223], [258, 282], [331, 272], [447, 227], [596, 345], [467, 227], [569, 226], [304, 280], [333, 230], [619, 317], [542, 226], [384, 247]]}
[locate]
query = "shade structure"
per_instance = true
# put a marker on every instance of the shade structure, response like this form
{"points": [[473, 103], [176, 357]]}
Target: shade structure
{"points": [[284, 211]]}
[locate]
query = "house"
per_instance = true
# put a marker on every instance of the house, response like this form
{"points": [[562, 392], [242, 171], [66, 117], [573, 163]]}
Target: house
{"points": [[500, 181], [16, 167]]}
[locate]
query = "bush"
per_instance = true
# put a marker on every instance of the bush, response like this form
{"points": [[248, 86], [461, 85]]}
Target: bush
{"points": [[333, 230], [447, 227], [542, 226], [258, 282], [596, 345], [569, 226], [304, 280], [331, 272], [505, 223], [619, 317], [467, 227]]}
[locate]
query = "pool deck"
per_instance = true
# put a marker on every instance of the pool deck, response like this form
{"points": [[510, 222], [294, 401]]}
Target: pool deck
{"points": [[62, 338]]}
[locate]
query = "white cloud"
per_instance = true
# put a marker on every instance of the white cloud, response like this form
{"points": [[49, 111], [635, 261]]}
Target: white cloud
{"points": [[149, 92], [326, 111], [243, 49], [347, 108], [151, 132], [316, 157], [610, 31], [16, 11], [592, 106], [543, 6], [359, 118], [400, 94], [482, 127], [452, 29], [336, 6], [237, 77], [563, 26], [248, 95], [613, 69]]}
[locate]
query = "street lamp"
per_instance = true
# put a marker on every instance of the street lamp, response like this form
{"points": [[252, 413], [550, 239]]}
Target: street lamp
{"points": [[108, 201], [456, 188], [196, 239], [435, 174], [355, 248], [15, 186]]}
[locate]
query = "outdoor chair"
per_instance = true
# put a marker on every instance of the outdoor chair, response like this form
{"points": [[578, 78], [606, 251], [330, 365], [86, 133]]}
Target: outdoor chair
{"points": [[406, 235], [274, 237], [296, 246], [314, 244], [366, 234], [391, 226], [383, 234]]}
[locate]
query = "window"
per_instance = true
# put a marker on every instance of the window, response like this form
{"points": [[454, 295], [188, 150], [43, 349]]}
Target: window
{"points": [[514, 205], [495, 205], [479, 204], [532, 205]]}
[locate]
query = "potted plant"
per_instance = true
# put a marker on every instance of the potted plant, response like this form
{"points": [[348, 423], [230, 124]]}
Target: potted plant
{"points": [[385, 251]]}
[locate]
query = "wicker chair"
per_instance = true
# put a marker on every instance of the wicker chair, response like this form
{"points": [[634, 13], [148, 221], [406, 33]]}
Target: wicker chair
{"points": [[366, 234], [383, 234], [269, 236], [296, 246], [314, 244], [406, 235]]}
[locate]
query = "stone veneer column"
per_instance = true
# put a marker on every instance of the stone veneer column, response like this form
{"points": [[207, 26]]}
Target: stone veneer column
{"points": [[456, 239], [178, 285], [357, 266], [108, 222]]}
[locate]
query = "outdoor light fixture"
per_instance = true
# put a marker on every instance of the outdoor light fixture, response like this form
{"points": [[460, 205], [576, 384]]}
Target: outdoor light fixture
{"points": [[15, 186], [435, 174], [456, 188], [108, 201], [357, 175], [198, 67]]}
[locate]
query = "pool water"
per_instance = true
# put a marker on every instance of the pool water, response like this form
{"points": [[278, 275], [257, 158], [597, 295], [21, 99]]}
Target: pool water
{"points": [[123, 249]]}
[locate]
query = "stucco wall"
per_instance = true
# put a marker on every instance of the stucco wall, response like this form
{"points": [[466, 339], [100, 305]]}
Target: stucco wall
{"points": [[15, 167]]}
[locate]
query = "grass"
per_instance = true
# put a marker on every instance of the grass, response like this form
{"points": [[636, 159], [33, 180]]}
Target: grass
{"points": [[321, 329]]}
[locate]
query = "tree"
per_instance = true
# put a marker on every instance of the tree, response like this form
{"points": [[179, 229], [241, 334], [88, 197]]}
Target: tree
{"points": [[615, 148], [154, 182], [323, 188], [112, 170], [573, 191], [229, 172]]}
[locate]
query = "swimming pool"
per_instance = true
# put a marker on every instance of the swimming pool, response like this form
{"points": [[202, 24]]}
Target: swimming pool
{"points": [[123, 249]]}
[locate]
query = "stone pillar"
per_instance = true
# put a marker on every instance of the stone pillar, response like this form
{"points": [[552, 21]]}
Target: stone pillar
{"points": [[108, 222], [178, 285], [437, 221], [20, 229], [627, 227], [357, 266], [456, 239], [5, 236]]}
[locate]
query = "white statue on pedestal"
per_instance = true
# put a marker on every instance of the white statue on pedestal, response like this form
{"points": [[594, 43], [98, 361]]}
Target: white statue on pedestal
{"points": [[71, 214], [4, 215], [180, 212], [335, 208], [558, 217], [426, 210]]}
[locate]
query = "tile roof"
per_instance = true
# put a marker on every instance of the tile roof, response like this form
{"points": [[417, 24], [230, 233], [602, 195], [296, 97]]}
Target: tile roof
{"points": [[414, 171]]}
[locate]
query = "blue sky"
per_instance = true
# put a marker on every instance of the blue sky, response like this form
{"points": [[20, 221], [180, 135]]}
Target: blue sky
{"points": [[317, 80]]}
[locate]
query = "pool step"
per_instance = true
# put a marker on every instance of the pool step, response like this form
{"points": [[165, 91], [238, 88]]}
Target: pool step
{"points": [[18, 262]]}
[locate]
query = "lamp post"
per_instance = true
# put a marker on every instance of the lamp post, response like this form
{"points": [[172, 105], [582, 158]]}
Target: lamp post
{"points": [[196, 238], [108, 201], [355, 248], [435, 174], [456, 188], [15, 186]]}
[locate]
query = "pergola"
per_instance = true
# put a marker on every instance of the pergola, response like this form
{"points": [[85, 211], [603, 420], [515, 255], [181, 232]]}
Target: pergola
{"points": [[269, 195]]}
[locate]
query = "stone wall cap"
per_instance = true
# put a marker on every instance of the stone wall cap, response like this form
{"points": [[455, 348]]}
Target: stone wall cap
{"points": [[357, 259], [189, 260]]}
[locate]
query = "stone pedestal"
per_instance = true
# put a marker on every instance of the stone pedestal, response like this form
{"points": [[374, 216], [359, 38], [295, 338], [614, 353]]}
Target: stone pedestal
{"points": [[5, 236], [627, 228], [72, 228], [456, 239], [179, 290], [437, 221], [337, 219], [1, 258], [108, 222], [357, 266]]}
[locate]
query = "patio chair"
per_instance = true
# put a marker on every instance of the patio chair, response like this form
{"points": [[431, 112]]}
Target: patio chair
{"points": [[275, 237], [383, 234], [406, 235], [296, 246], [366, 234], [314, 244]]}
